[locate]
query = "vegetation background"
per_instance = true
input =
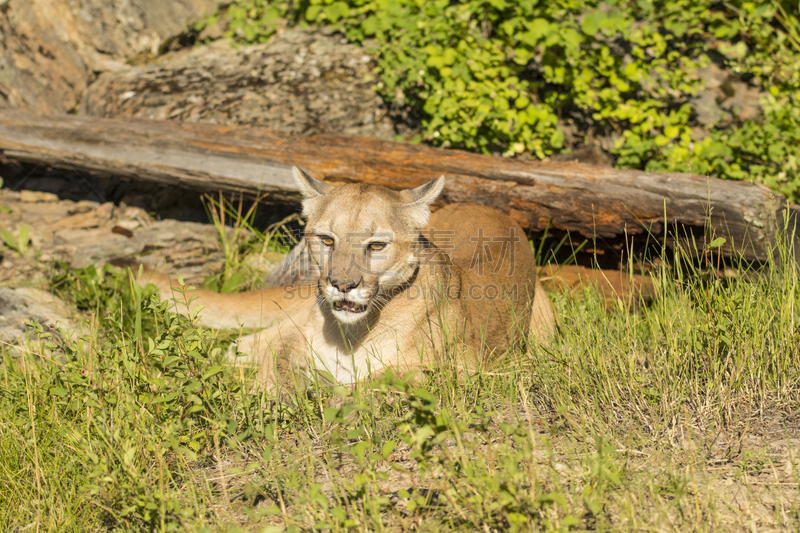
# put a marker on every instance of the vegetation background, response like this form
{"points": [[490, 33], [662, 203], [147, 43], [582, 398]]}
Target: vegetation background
{"points": [[704, 86]]}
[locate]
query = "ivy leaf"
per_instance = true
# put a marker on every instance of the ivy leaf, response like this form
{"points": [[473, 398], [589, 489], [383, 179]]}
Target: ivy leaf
{"points": [[537, 29], [370, 25], [313, 12], [661, 140], [591, 22], [571, 38], [336, 11]]}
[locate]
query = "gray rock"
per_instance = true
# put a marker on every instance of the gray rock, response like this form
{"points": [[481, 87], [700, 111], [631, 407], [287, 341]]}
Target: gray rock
{"points": [[19, 306], [706, 107], [300, 82], [725, 98], [743, 102], [51, 49], [88, 233], [124, 28]]}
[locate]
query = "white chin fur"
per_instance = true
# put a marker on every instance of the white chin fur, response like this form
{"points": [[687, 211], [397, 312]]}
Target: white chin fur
{"points": [[346, 317]]}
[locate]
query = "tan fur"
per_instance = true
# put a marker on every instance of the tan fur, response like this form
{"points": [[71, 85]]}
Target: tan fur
{"points": [[460, 292], [253, 309], [463, 222]]}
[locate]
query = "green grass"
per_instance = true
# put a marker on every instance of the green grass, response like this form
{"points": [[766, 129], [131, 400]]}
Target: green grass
{"points": [[677, 414], [241, 241]]}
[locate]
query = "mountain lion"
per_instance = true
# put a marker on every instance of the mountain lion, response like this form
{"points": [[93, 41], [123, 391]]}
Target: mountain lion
{"points": [[395, 287]]}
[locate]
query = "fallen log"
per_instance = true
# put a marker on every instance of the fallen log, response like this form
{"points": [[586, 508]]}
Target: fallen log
{"points": [[610, 207]]}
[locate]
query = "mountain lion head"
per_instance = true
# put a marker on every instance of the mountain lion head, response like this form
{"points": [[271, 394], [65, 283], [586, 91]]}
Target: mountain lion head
{"points": [[363, 240]]}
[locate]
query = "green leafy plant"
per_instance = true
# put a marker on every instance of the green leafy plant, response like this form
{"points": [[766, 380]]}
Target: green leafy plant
{"points": [[19, 243]]}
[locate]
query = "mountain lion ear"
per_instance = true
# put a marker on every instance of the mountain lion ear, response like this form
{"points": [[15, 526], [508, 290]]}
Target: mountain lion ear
{"points": [[309, 187], [426, 194], [419, 209]]}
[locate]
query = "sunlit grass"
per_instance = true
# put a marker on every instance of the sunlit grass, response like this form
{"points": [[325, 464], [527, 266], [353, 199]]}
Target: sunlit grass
{"points": [[676, 414]]}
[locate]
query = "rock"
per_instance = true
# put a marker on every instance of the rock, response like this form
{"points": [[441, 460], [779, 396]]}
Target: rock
{"points": [[86, 233], [18, 306], [82, 247], [131, 218], [42, 213], [80, 220], [300, 82], [105, 211], [37, 196], [83, 206], [123, 28], [181, 244], [86, 214], [743, 100], [706, 101], [725, 98], [698, 133], [706, 107], [128, 225], [50, 49], [40, 69]]}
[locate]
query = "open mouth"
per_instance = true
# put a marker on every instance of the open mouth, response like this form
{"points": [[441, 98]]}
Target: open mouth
{"points": [[348, 306]]}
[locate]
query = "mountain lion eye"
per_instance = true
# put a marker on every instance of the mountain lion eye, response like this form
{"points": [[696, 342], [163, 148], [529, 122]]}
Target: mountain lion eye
{"points": [[377, 246], [327, 241]]}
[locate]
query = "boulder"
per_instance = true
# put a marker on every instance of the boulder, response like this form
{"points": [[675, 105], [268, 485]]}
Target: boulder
{"points": [[124, 28], [23, 305], [50, 50], [88, 233], [300, 82], [726, 99]]}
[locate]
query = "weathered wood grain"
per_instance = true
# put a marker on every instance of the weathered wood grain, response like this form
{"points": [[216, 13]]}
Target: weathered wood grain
{"points": [[609, 206]]}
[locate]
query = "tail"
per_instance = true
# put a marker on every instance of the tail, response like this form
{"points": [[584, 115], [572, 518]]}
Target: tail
{"points": [[252, 309]]}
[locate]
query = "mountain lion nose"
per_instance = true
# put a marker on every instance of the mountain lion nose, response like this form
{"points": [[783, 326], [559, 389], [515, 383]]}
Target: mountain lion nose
{"points": [[346, 286]]}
